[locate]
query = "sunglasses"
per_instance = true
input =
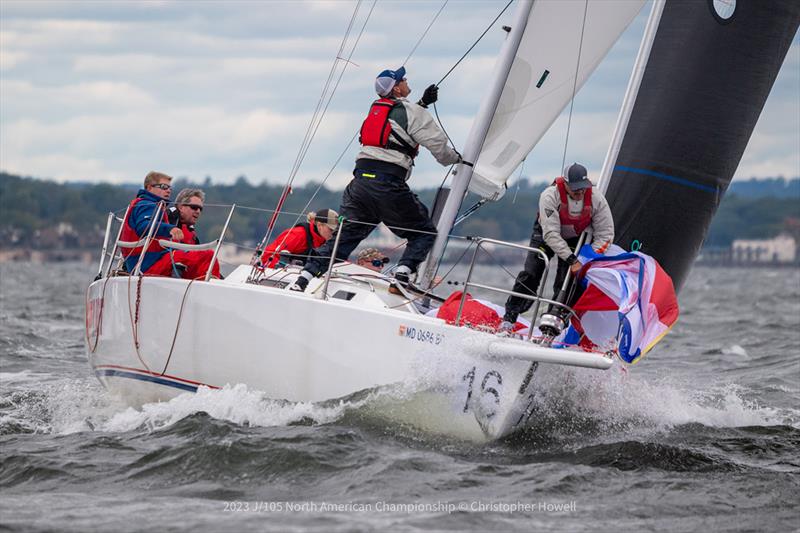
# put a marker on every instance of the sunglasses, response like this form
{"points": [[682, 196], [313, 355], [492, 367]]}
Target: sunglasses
{"points": [[194, 207], [380, 262], [162, 186]]}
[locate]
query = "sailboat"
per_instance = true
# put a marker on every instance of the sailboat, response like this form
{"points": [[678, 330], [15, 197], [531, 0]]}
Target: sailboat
{"points": [[152, 338]]}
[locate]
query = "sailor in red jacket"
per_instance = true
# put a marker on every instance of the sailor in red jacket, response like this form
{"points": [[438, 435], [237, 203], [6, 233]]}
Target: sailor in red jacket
{"points": [[298, 242], [185, 213]]}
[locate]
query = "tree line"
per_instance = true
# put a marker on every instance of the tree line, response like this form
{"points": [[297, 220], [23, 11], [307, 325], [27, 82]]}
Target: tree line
{"points": [[38, 213]]}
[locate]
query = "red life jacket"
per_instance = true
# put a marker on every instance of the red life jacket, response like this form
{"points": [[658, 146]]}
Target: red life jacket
{"points": [[129, 235], [572, 226], [377, 130]]}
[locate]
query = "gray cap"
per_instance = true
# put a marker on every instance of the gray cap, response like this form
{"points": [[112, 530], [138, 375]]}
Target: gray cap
{"points": [[368, 254], [576, 177], [329, 217]]}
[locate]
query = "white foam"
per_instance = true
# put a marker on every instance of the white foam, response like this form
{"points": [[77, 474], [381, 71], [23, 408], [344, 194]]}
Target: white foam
{"points": [[619, 398], [627, 402], [236, 403], [736, 350]]}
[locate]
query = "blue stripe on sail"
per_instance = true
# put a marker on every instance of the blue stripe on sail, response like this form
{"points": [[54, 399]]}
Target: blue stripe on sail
{"points": [[667, 177], [141, 377]]}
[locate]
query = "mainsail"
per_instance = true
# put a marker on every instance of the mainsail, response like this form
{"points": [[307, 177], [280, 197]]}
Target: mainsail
{"points": [[710, 69], [562, 40]]}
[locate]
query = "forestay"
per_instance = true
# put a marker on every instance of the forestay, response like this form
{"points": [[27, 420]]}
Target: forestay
{"points": [[542, 79]]}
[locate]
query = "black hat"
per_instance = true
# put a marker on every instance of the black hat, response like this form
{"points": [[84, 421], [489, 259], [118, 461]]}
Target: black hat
{"points": [[576, 177]]}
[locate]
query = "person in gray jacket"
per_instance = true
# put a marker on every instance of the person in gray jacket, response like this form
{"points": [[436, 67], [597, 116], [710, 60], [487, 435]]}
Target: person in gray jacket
{"points": [[390, 139], [566, 208]]}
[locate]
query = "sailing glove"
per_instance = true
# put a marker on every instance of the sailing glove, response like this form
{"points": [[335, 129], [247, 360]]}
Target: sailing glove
{"points": [[430, 96]]}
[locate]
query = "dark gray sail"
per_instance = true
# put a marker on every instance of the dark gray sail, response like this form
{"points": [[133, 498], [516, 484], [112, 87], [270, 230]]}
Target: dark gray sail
{"points": [[707, 78]]}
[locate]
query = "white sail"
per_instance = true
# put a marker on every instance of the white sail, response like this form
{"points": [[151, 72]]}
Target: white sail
{"points": [[542, 79]]}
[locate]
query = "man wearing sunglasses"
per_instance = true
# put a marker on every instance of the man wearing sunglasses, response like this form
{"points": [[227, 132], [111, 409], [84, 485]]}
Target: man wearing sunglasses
{"points": [[157, 188], [372, 259], [157, 260], [186, 211]]}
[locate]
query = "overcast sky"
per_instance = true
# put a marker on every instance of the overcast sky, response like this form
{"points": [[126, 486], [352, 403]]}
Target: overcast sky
{"points": [[106, 91]]}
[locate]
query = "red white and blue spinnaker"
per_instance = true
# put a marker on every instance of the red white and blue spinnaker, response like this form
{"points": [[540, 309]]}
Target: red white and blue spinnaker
{"points": [[629, 301]]}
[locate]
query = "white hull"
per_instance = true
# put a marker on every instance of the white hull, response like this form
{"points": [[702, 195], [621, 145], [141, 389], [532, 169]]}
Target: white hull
{"points": [[297, 347]]}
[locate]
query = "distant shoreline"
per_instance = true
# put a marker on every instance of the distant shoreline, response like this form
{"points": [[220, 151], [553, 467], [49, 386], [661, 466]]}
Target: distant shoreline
{"points": [[88, 257]]}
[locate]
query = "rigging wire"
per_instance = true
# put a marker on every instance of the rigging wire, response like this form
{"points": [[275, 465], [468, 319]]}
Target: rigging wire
{"points": [[315, 124], [574, 87], [519, 178], [333, 167], [325, 87], [341, 75], [475, 43], [436, 16]]}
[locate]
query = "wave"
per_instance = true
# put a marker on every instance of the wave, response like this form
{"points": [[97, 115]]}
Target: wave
{"points": [[569, 403]]}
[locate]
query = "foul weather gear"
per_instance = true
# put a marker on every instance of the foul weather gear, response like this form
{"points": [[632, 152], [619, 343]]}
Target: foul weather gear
{"points": [[414, 125], [559, 214], [135, 225], [294, 243]]}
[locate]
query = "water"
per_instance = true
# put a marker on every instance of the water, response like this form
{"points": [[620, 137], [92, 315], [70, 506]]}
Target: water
{"points": [[703, 433]]}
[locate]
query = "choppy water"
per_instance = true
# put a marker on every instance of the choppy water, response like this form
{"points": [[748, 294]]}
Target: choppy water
{"points": [[704, 433]]}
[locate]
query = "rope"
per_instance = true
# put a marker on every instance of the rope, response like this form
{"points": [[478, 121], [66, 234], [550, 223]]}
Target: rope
{"points": [[177, 327], [574, 87], [435, 109], [135, 322], [436, 113]]}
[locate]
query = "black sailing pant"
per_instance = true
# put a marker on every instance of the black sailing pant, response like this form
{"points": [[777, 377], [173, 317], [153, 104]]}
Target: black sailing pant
{"points": [[527, 281], [366, 202]]}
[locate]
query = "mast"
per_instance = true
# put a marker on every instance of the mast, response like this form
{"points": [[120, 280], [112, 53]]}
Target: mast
{"points": [[475, 140], [632, 90]]}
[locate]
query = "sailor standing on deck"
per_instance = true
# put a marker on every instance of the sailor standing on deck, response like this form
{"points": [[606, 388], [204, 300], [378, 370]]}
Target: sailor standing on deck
{"points": [[390, 139], [566, 208]]}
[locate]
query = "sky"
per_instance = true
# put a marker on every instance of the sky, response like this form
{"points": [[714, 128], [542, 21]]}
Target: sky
{"points": [[107, 91]]}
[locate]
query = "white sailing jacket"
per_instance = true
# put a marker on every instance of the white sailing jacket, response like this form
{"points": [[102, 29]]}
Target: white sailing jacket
{"points": [[602, 226], [420, 129]]}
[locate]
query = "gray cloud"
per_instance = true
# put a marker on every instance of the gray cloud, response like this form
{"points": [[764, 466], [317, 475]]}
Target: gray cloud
{"points": [[106, 91]]}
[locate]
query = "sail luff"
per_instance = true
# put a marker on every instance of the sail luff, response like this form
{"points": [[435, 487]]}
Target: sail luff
{"points": [[544, 79], [475, 140], [634, 82]]}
